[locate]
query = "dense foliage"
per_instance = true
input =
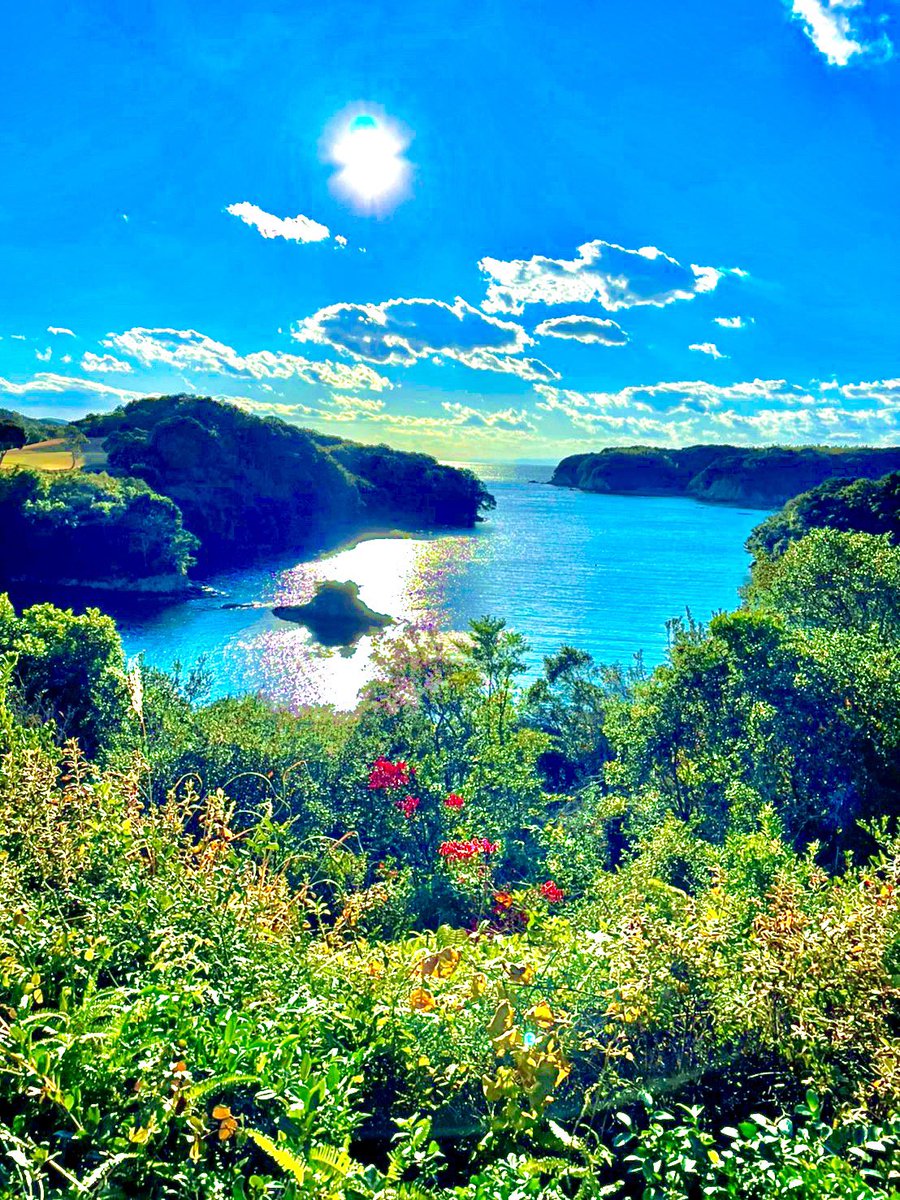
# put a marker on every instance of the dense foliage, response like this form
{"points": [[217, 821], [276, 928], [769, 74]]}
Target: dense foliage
{"points": [[62, 527], [854, 506], [761, 476], [249, 486], [12, 436], [613, 934]]}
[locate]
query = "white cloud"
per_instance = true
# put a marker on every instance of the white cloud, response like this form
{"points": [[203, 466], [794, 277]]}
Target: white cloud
{"points": [[43, 355], [583, 329], [104, 362], [58, 329], [292, 229], [613, 276], [402, 332], [46, 382], [731, 322], [189, 350], [753, 412], [709, 348], [505, 418], [840, 29]]}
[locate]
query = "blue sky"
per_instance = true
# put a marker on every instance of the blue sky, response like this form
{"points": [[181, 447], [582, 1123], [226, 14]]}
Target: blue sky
{"points": [[611, 223]]}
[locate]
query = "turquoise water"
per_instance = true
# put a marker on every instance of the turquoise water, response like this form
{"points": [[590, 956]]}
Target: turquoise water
{"points": [[600, 572]]}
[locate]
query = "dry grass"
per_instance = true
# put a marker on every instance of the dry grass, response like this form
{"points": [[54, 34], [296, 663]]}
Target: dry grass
{"points": [[53, 455]]}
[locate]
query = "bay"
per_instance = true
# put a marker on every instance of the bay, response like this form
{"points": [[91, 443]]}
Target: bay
{"points": [[603, 573]]}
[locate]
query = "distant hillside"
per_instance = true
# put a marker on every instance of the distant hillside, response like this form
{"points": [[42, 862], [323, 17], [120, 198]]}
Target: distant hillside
{"points": [[757, 478], [37, 429], [860, 506], [249, 486]]}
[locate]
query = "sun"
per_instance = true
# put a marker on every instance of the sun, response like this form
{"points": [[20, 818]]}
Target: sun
{"points": [[367, 148]]}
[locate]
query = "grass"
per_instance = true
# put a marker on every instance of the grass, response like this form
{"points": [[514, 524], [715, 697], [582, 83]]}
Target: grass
{"points": [[53, 455]]}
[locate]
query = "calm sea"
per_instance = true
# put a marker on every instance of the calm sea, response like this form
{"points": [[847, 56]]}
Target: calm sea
{"points": [[603, 573]]}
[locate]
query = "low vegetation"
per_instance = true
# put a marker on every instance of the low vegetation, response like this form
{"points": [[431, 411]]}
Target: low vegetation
{"points": [[610, 934]]}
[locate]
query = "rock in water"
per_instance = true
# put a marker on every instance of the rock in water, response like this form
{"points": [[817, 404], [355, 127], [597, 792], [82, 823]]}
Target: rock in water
{"points": [[335, 616]]}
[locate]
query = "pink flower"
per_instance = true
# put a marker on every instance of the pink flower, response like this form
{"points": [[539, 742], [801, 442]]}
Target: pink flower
{"points": [[454, 800], [408, 805], [551, 893], [387, 775]]}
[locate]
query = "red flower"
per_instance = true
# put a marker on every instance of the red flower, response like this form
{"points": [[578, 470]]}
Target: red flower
{"points": [[551, 893], [387, 775], [408, 805], [454, 800], [465, 851]]}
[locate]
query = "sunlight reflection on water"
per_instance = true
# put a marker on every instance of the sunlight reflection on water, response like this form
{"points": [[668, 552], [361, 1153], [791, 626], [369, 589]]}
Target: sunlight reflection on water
{"points": [[403, 578], [600, 572]]}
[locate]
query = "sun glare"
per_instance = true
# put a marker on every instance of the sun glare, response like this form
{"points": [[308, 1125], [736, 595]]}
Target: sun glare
{"points": [[367, 148]]}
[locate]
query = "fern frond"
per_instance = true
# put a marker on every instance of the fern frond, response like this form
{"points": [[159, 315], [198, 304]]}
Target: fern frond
{"points": [[333, 1161], [221, 1083], [286, 1159], [102, 1173]]}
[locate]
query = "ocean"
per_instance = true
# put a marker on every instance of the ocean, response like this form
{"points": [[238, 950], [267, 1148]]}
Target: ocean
{"points": [[603, 573]]}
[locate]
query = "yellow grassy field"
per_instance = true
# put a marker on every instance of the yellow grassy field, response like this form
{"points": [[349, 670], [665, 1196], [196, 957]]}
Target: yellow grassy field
{"points": [[52, 455]]}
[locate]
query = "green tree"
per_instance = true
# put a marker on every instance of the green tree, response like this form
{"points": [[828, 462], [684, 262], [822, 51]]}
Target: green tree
{"points": [[833, 580], [12, 437]]}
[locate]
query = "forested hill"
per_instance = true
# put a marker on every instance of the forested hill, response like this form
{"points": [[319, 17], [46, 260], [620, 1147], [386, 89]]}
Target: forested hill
{"points": [[36, 429], [763, 477], [861, 506], [248, 485]]}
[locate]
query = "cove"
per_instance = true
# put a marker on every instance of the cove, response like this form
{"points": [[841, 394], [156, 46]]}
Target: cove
{"points": [[603, 573]]}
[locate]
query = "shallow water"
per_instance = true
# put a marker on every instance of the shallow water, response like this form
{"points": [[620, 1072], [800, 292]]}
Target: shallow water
{"points": [[603, 573]]}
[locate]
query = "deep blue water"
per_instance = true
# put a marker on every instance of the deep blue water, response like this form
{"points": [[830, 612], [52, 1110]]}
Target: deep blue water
{"points": [[603, 573]]}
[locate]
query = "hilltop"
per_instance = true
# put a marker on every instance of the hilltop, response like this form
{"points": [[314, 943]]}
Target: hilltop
{"points": [[37, 429], [249, 486], [763, 477]]}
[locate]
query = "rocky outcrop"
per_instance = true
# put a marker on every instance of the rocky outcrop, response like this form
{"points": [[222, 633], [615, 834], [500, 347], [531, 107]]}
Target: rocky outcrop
{"points": [[335, 616]]}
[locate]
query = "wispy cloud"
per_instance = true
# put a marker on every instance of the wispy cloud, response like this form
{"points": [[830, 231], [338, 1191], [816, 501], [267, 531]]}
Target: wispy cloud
{"points": [[841, 29], [583, 329], [292, 229], [47, 383], [60, 329], [403, 332], [189, 350], [709, 348], [731, 322], [104, 363], [611, 275], [43, 355]]}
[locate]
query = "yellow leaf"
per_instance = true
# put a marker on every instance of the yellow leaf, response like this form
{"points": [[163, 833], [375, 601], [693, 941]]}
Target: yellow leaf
{"points": [[542, 1015], [442, 964], [522, 974], [421, 1000], [501, 1020], [479, 984], [220, 1112]]}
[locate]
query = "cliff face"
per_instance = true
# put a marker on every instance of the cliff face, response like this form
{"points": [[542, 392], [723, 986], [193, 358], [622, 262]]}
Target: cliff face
{"points": [[757, 478]]}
